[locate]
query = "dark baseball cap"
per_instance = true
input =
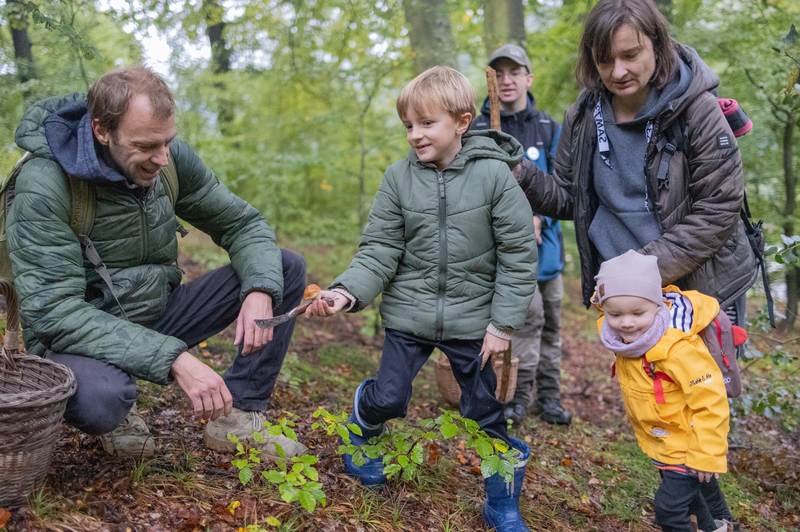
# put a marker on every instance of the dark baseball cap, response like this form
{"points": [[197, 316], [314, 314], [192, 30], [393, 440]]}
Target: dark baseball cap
{"points": [[513, 52]]}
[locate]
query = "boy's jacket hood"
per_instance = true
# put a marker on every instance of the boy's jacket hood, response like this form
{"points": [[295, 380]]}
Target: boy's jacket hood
{"points": [[482, 144], [60, 129]]}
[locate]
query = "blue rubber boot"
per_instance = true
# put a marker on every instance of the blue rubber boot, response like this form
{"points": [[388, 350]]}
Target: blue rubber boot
{"points": [[501, 510], [371, 473]]}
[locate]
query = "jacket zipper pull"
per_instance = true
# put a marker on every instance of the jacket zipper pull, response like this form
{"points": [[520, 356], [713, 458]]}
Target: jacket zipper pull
{"points": [[441, 182]]}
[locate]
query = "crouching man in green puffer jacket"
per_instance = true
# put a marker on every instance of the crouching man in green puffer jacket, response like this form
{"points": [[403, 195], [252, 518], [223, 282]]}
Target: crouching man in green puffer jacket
{"points": [[138, 321], [449, 242]]}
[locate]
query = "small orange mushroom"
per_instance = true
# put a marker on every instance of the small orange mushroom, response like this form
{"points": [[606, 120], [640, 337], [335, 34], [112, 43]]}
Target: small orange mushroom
{"points": [[312, 291]]}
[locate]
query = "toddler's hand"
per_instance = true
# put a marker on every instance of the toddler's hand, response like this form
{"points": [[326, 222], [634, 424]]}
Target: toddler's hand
{"points": [[704, 476], [492, 345], [321, 309]]}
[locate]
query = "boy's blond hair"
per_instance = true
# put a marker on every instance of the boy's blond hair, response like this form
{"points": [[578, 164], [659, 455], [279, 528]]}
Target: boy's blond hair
{"points": [[438, 88]]}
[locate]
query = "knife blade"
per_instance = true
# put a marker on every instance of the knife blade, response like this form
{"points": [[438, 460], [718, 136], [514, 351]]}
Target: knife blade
{"points": [[269, 323]]}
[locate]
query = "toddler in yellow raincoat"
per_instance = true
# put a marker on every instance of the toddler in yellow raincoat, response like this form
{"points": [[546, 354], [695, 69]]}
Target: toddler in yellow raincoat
{"points": [[673, 390]]}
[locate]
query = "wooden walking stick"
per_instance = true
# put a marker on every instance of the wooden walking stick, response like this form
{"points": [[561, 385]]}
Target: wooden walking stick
{"points": [[494, 108], [494, 98]]}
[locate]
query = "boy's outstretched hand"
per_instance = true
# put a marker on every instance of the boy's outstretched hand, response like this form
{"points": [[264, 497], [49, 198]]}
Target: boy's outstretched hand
{"points": [[321, 309], [492, 345]]}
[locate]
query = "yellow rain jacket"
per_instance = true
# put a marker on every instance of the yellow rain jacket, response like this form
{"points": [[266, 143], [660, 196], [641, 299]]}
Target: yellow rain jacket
{"points": [[691, 425]]}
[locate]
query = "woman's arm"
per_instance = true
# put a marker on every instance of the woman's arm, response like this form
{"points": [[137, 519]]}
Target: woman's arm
{"points": [[551, 195]]}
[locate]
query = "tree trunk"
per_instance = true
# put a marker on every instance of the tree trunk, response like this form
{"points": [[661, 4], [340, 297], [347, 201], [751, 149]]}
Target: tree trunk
{"points": [[790, 187], [665, 6], [430, 34], [23, 53], [503, 23], [215, 27], [220, 57]]}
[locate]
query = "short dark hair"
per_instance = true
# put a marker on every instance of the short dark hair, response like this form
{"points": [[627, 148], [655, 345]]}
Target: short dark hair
{"points": [[110, 96], [605, 19]]}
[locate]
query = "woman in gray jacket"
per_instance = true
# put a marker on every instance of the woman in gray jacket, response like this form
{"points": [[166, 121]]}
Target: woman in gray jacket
{"points": [[619, 174]]}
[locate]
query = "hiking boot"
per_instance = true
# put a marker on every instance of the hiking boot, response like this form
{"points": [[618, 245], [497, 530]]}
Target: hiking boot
{"points": [[132, 438], [551, 411], [243, 424], [514, 413]]}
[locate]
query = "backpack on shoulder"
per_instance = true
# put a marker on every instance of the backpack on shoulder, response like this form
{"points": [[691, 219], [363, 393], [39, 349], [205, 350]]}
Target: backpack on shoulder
{"points": [[721, 338], [676, 138], [83, 208]]}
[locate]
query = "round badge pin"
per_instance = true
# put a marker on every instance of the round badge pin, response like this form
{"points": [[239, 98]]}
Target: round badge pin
{"points": [[532, 153]]}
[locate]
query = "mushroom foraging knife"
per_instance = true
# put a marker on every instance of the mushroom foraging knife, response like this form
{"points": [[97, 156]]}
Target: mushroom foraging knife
{"points": [[283, 318]]}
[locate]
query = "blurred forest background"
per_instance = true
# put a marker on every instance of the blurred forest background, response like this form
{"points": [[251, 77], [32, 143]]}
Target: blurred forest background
{"points": [[291, 102]]}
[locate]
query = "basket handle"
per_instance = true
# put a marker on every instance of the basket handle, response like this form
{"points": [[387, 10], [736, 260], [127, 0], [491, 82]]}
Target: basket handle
{"points": [[7, 361], [506, 378]]}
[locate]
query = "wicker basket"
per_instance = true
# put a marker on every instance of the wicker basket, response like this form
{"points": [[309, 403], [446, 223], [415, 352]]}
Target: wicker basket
{"points": [[451, 392], [33, 396]]}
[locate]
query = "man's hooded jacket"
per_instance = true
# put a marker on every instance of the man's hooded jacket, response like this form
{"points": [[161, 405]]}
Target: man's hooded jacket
{"points": [[64, 305]]}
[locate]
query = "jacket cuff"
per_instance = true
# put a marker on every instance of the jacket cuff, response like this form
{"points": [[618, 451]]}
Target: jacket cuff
{"points": [[350, 297], [160, 372], [270, 288], [506, 334]]}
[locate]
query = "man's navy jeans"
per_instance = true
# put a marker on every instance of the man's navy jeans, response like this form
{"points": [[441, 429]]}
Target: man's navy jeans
{"points": [[195, 311]]}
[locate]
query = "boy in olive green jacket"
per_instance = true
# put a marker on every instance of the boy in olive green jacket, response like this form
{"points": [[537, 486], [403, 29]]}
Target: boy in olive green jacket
{"points": [[449, 244]]}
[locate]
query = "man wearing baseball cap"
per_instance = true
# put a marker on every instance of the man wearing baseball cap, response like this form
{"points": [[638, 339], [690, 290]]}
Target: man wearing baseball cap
{"points": [[538, 343]]}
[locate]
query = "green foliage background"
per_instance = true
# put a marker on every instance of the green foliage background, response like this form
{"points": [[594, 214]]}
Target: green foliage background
{"points": [[305, 73]]}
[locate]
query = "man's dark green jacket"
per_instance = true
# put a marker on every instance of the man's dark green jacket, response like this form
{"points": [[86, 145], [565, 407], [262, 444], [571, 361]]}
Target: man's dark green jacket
{"points": [[64, 305], [452, 251]]}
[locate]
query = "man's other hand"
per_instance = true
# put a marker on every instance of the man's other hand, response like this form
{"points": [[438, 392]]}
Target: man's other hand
{"points": [[257, 305], [210, 397]]}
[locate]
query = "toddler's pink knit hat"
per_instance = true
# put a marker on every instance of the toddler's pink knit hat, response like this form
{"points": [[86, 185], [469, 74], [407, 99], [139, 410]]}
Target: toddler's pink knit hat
{"points": [[630, 274]]}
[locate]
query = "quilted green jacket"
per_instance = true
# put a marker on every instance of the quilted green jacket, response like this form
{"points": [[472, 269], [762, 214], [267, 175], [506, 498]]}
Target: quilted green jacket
{"points": [[64, 305], [451, 251]]}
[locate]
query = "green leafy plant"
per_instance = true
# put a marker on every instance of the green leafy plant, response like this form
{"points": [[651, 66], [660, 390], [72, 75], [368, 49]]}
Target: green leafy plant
{"points": [[404, 452], [297, 479]]}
